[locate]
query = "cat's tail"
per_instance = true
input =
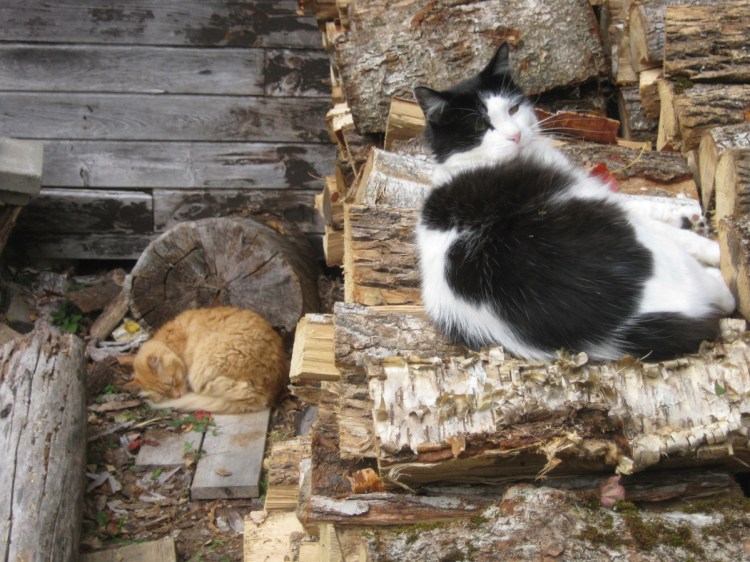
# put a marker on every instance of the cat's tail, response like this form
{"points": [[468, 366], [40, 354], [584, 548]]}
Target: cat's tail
{"points": [[661, 336], [192, 402]]}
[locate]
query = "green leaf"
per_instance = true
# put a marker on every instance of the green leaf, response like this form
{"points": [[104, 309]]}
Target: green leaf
{"points": [[719, 389]]}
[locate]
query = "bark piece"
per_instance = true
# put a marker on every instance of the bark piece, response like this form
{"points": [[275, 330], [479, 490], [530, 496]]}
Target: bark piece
{"points": [[222, 261], [380, 255], [393, 47], [732, 183], [708, 43], [43, 434], [585, 126], [734, 239], [712, 146]]}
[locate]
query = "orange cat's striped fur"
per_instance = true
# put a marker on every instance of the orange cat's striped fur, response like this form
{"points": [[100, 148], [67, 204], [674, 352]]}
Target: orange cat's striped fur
{"points": [[224, 360]]}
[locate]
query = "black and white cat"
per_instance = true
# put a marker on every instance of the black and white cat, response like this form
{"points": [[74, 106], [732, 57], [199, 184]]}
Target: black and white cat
{"points": [[519, 247]]}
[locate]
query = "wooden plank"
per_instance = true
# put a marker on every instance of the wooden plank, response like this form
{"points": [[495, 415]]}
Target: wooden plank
{"points": [[232, 457], [291, 72], [94, 210], [155, 117], [162, 550], [290, 206], [219, 165], [102, 245], [86, 68], [167, 448], [207, 23]]}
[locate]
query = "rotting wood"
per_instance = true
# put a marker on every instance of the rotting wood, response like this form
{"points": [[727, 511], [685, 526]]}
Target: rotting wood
{"points": [[43, 434], [706, 43], [380, 255], [732, 183], [221, 262], [392, 47], [734, 239], [712, 145]]}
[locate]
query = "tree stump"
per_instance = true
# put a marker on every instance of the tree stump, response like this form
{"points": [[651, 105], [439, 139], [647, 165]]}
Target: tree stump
{"points": [[225, 262], [43, 439]]}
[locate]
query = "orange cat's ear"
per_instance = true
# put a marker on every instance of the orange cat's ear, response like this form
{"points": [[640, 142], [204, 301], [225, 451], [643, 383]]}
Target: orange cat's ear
{"points": [[153, 362]]}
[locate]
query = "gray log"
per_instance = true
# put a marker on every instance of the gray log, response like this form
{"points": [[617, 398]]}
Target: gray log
{"points": [[393, 47], [225, 262], [43, 439]]}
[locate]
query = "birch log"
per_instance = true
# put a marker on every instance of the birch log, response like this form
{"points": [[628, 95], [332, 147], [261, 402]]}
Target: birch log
{"points": [[225, 262], [43, 436], [713, 144], [393, 47], [444, 413], [708, 43]]}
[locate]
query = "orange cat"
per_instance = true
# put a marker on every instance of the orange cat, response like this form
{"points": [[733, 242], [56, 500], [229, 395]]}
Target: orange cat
{"points": [[224, 360]]}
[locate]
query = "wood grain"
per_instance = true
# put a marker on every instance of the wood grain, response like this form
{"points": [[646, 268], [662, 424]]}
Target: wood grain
{"points": [[204, 23], [182, 165], [43, 436], [163, 118]]}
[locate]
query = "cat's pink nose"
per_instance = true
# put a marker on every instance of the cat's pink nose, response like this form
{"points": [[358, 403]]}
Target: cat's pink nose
{"points": [[516, 138]]}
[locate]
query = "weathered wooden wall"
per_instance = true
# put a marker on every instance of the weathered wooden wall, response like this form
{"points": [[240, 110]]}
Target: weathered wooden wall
{"points": [[154, 112]]}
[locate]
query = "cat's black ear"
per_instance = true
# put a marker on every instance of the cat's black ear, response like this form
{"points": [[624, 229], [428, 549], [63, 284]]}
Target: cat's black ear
{"points": [[431, 101], [500, 63]]}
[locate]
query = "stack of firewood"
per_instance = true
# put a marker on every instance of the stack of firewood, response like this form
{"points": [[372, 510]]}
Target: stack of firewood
{"points": [[400, 409]]}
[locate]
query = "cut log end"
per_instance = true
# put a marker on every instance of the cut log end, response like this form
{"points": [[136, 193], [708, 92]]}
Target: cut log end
{"points": [[225, 262]]}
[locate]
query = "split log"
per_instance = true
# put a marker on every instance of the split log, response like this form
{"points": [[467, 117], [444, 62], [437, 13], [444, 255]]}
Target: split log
{"points": [[393, 47], [638, 172], [636, 124], [284, 473], [43, 436], [647, 31], [706, 43], [712, 146], [330, 204], [391, 179], [225, 262], [686, 115], [380, 255], [734, 239], [732, 182], [449, 414], [648, 88], [405, 121], [333, 247], [313, 358]]}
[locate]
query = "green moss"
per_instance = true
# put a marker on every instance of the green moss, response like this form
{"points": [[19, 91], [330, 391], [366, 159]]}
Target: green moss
{"points": [[682, 84], [478, 521], [649, 533], [594, 535], [626, 508]]}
